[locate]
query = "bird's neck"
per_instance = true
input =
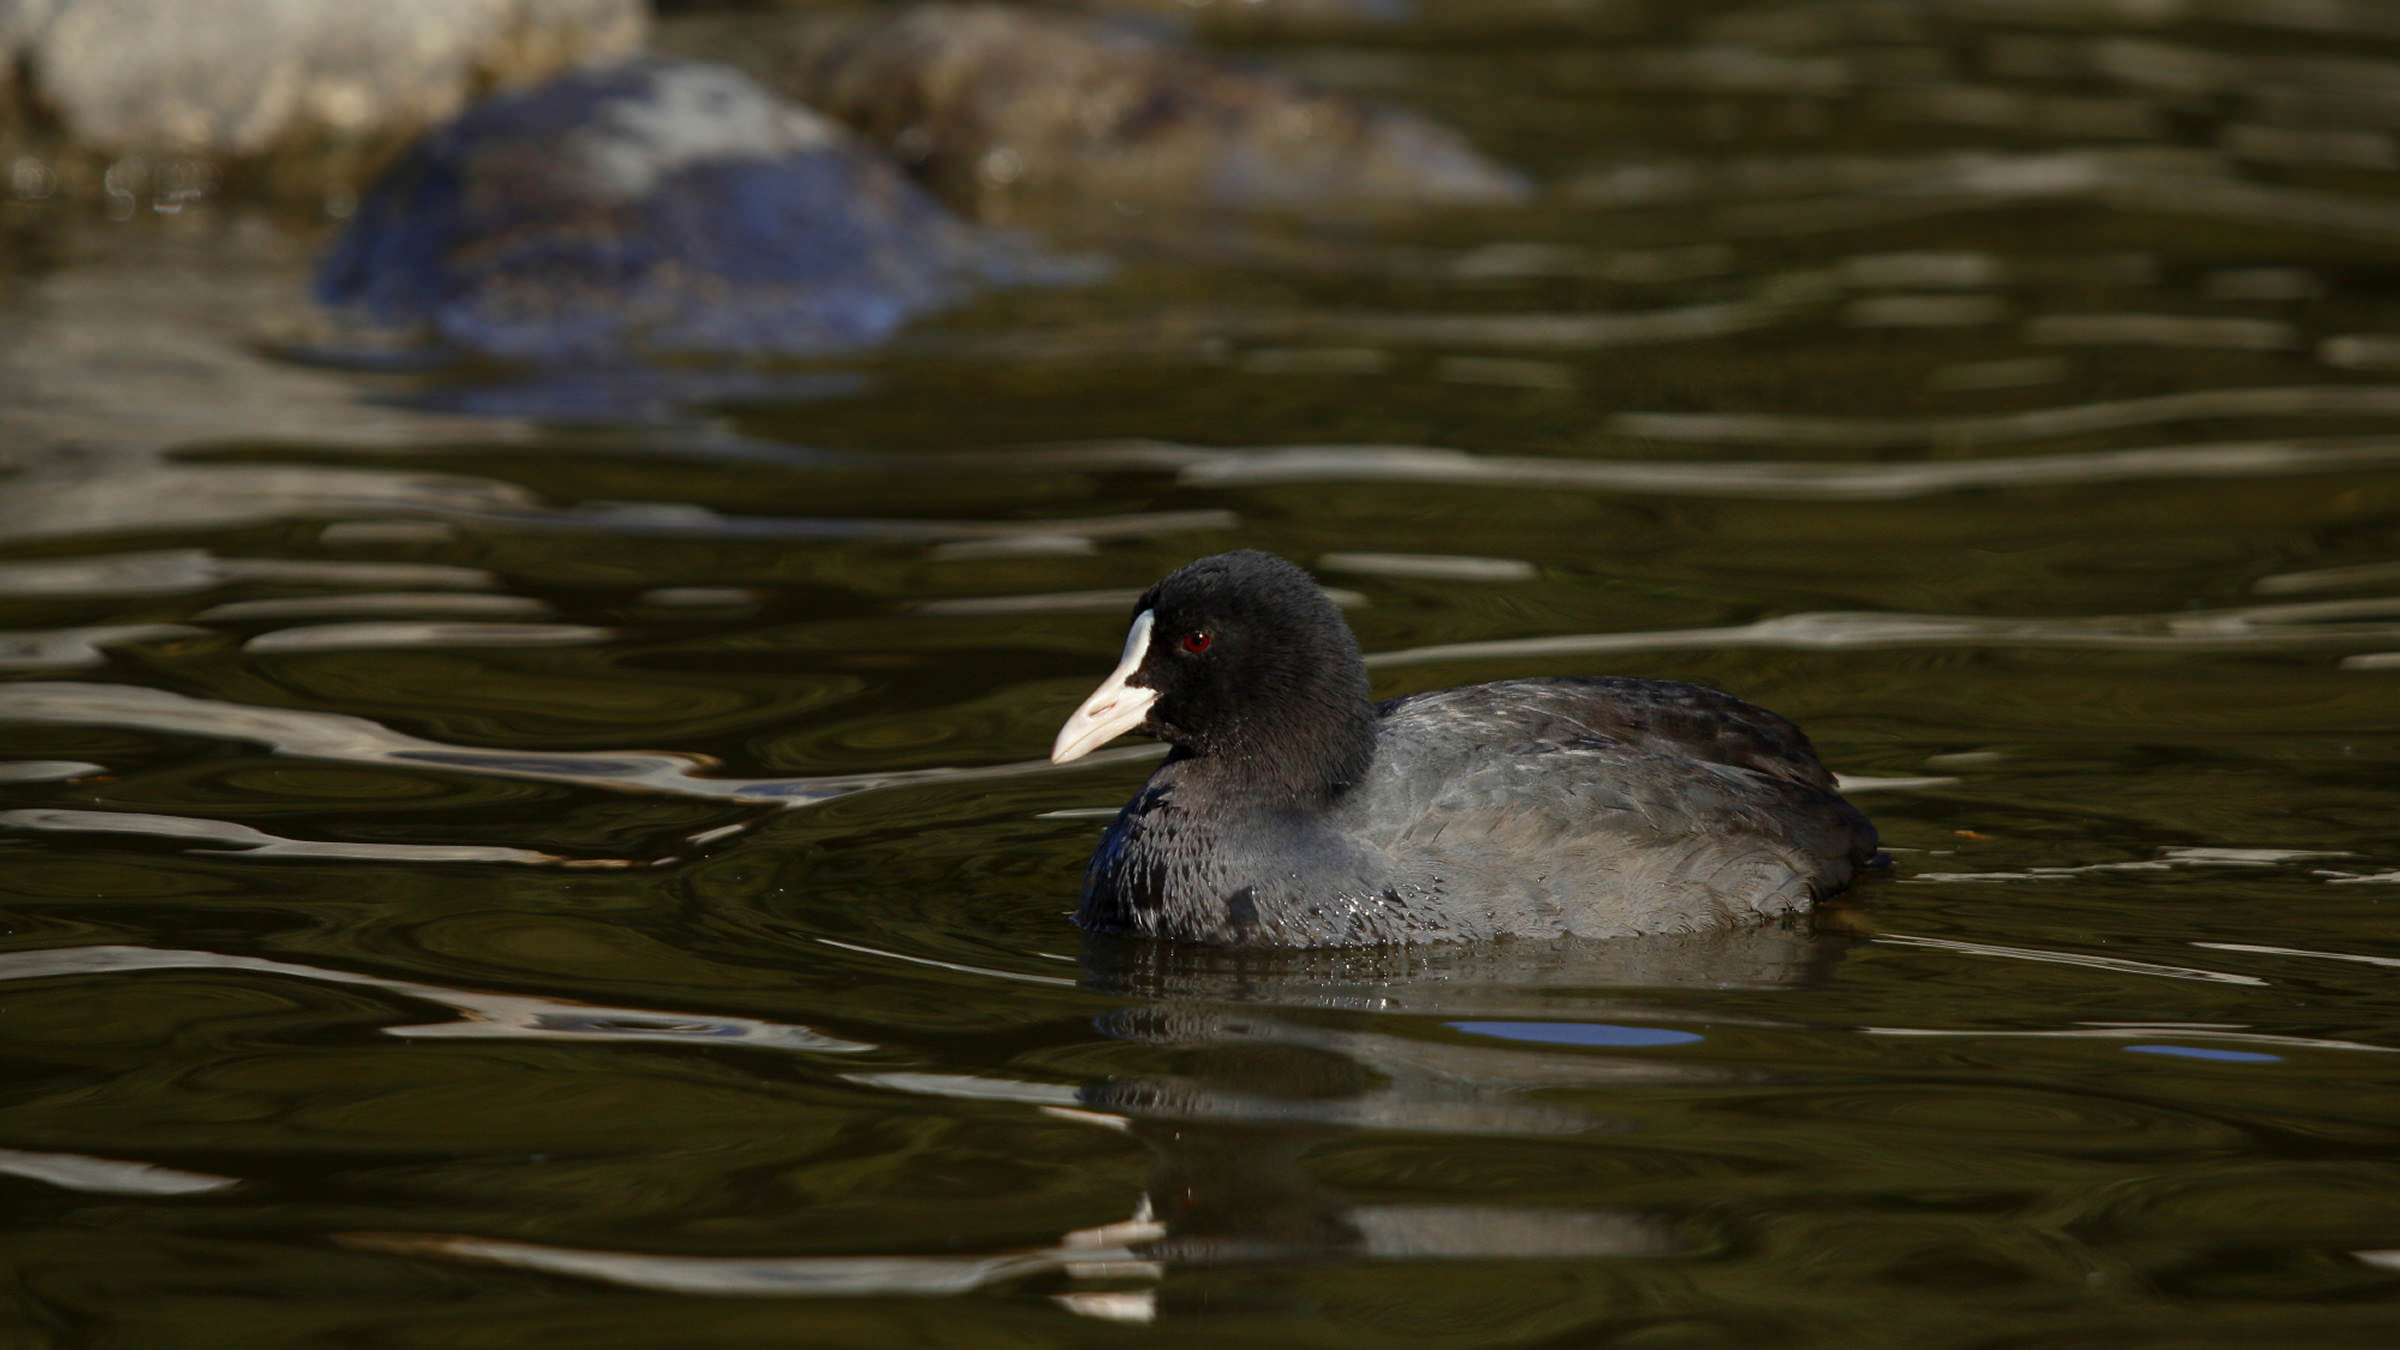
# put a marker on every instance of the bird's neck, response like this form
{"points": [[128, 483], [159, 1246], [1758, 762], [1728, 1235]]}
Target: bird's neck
{"points": [[1288, 762]]}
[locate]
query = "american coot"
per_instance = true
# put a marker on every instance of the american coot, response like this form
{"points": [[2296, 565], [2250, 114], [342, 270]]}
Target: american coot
{"points": [[1293, 812]]}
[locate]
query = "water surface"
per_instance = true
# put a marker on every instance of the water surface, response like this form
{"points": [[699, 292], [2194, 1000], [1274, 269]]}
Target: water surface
{"points": [[503, 860]]}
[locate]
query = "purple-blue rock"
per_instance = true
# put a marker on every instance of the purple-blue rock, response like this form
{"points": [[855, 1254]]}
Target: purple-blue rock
{"points": [[651, 208]]}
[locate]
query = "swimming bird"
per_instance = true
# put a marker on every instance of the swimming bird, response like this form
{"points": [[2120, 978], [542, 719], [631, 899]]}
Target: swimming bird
{"points": [[1293, 811]]}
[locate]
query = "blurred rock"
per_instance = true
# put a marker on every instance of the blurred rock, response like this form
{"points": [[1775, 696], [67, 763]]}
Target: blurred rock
{"points": [[986, 100], [1252, 16], [1233, 15], [303, 91], [659, 206]]}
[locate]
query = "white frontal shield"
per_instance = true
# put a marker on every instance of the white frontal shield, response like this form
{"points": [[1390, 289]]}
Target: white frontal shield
{"points": [[1115, 707]]}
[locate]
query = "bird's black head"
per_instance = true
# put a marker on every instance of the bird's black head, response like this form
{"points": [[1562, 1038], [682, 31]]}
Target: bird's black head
{"points": [[1242, 659]]}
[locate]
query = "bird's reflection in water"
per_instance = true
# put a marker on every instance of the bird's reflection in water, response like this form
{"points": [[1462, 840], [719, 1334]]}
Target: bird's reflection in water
{"points": [[1281, 1052], [1340, 1037], [1276, 1055], [1470, 979]]}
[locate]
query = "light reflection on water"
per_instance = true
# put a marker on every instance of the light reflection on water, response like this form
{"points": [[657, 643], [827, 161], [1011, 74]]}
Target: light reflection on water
{"points": [[1997, 386]]}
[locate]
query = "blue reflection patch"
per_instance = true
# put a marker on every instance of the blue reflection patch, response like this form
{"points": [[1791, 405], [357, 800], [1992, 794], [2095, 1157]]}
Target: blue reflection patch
{"points": [[2206, 1052], [1578, 1033]]}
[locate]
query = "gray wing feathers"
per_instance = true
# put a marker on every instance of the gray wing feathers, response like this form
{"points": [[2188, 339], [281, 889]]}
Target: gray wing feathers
{"points": [[1605, 807]]}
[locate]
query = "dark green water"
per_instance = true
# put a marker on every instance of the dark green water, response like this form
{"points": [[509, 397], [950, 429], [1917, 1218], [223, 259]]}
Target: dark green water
{"points": [[571, 864]]}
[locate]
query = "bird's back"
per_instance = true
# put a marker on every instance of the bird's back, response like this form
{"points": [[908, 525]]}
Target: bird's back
{"points": [[1602, 807]]}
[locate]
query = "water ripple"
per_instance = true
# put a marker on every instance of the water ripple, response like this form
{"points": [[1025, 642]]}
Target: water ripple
{"points": [[849, 1276], [1110, 601], [2145, 1031], [135, 496], [2281, 627], [125, 495], [1428, 566], [1525, 332], [77, 648], [350, 739], [985, 971], [354, 636], [455, 604], [680, 519], [1139, 1247], [47, 770], [2256, 949], [183, 570], [109, 1176], [2167, 860], [487, 1015], [1866, 192], [2160, 330], [228, 837], [2330, 578], [2081, 419], [2117, 964], [1785, 479]]}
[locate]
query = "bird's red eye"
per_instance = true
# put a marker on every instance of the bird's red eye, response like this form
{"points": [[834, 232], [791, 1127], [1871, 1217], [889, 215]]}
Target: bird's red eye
{"points": [[1195, 642]]}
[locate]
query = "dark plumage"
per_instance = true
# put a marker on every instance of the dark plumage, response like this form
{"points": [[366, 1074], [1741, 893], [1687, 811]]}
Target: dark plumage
{"points": [[1293, 812]]}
